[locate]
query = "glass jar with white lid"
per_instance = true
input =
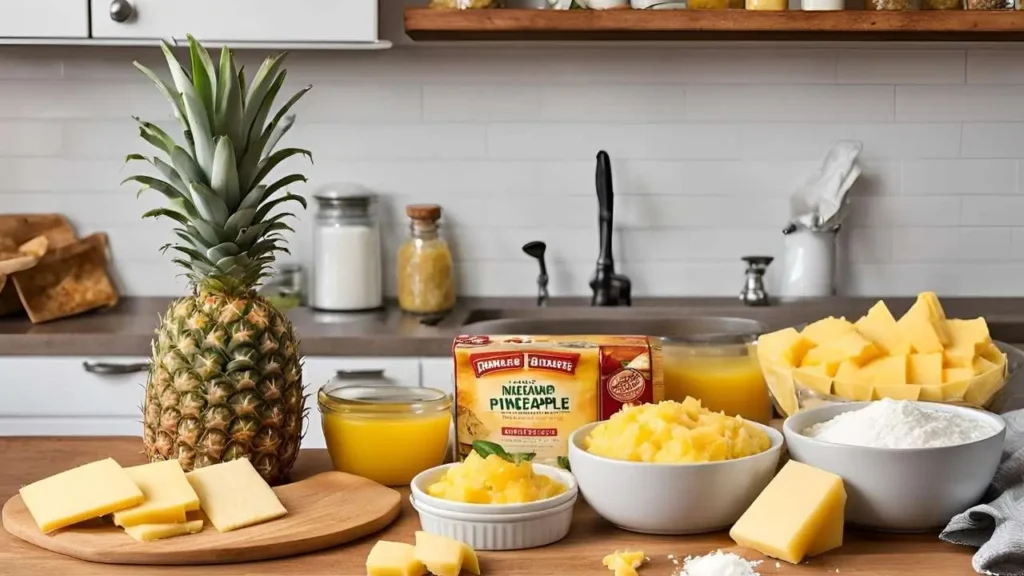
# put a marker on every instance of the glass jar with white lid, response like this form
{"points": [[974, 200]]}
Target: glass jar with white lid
{"points": [[346, 251]]}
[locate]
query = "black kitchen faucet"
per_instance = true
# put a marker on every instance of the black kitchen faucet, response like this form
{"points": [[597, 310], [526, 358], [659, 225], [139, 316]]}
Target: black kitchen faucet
{"points": [[610, 289]]}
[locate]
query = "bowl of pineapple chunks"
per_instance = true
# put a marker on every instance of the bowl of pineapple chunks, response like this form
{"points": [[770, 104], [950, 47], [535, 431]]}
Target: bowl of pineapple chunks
{"points": [[921, 356]]}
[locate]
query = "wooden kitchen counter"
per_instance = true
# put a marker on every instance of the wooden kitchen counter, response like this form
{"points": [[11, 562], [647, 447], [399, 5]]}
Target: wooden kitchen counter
{"points": [[23, 460]]}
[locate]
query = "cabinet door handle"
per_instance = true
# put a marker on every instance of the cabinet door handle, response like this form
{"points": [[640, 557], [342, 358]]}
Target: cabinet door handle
{"points": [[109, 369], [120, 10], [358, 374]]}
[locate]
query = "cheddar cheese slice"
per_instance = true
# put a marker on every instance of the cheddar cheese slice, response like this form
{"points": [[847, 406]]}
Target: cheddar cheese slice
{"points": [[81, 493]]}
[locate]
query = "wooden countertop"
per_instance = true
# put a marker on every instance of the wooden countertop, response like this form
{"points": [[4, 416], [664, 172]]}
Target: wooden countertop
{"points": [[127, 329], [28, 459]]}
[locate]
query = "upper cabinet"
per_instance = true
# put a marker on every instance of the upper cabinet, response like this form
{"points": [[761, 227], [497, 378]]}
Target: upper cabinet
{"points": [[44, 18], [264, 21]]}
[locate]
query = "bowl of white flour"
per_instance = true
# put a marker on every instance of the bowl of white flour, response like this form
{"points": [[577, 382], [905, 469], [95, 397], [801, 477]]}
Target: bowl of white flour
{"points": [[907, 466]]}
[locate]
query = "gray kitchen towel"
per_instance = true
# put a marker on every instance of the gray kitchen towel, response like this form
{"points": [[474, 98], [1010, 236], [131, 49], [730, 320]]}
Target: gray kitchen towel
{"points": [[997, 528]]}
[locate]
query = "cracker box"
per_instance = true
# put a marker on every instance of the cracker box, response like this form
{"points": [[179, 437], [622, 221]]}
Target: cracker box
{"points": [[529, 393]]}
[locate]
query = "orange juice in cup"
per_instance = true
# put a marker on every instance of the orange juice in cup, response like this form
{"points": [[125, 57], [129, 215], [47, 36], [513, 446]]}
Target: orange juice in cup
{"points": [[722, 372]]}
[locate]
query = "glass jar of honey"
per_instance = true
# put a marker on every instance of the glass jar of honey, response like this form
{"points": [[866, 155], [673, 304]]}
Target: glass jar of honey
{"points": [[383, 432], [721, 371], [426, 279]]}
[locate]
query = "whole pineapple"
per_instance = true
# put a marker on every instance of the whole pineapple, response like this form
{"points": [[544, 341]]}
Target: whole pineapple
{"points": [[226, 376]]}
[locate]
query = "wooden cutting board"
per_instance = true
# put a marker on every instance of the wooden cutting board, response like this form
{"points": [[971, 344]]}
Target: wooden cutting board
{"points": [[324, 511]]}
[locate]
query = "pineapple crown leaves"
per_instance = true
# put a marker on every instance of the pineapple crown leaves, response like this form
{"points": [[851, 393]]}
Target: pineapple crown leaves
{"points": [[214, 178]]}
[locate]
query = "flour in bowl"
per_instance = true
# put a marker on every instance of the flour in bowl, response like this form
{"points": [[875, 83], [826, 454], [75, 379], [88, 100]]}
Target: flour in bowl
{"points": [[900, 424]]}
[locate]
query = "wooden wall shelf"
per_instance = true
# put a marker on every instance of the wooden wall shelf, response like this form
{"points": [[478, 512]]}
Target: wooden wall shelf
{"points": [[634, 25]]}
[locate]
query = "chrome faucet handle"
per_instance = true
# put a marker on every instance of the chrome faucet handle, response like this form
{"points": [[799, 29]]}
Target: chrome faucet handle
{"points": [[537, 249], [754, 292]]}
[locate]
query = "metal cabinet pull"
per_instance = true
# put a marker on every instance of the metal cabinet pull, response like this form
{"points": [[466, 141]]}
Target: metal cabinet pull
{"points": [[108, 369], [120, 10]]}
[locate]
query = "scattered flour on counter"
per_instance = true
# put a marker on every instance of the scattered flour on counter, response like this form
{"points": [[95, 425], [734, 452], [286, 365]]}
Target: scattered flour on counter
{"points": [[899, 424], [719, 563]]}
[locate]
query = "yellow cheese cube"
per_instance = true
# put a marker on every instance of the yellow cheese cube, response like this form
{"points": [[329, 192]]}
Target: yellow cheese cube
{"points": [[937, 315], [924, 368], [886, 371], [444, 556], [852, 390], [624, 563], [958, 358], [847, 372], [81, 493], [953, 391], [853, 346], [968, 334], [981, 365], [814, 377], [957, 374], [918, 327], [393, 559], [879, 326], [827, 329], [794, 514], [787, 346], [896, 392], [168, 495], [828, 358], [234, 495], [780, 381], [150, 532]]}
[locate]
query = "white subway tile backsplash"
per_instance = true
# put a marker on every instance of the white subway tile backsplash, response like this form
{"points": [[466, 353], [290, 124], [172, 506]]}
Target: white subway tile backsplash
{"points": [[901, 66], [790, 103], [959, 177], [707, 144]]}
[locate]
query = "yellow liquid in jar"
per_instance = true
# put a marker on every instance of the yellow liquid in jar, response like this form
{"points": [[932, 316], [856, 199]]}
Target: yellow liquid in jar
{"points": [[390, 450], [730, 384]]}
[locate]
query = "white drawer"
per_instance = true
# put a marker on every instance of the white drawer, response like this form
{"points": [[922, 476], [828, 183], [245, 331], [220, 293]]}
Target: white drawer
{"points": [[53, 386], [318, 370], [438, 373], [44, 19], [240, 20], [70, 426]]}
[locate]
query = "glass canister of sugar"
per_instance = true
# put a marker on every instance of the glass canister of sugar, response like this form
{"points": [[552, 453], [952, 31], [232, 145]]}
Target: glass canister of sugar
{"points": [[346, 250], [426, 280]]}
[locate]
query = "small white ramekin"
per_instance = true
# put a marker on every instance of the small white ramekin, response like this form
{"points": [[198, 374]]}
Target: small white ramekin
{"points": [[498, 531], [424, 479]]}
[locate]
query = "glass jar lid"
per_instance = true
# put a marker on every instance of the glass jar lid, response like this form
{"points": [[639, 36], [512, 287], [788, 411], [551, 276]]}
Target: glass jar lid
{"points": [[382, 399], [347, 198]]}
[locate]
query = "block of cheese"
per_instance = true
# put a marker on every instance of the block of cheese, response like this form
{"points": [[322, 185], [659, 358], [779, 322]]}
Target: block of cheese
{"points": [[950, 375], [393, 559], [814, 377], [879, 326], [896, 391], [624, 563], [81, 493], [849, 346], [150, 532], [950, 392], [445, 556], [168, 495], [968, 338], [885, 371], [853, 390], [800, 510], [826, 330], [788, 345], [937, 315], [924, 368], [233, 495], [921, 329]]}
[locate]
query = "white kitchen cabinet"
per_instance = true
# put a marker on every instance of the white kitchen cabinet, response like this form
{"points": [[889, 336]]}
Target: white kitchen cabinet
{"points": [[317, 370], [438, 373], [265, 21], [44, 18], [59, 396]]}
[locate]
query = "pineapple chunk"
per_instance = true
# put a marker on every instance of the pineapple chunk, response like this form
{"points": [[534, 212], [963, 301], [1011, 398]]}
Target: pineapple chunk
{"points": [[787, 345], [925, 369], [826, 330], [879, 326], [814, 377], [887, 371]]}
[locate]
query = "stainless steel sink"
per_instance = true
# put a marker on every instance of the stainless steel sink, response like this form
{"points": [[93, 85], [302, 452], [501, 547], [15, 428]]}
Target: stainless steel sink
{"points": [[612, 324]]}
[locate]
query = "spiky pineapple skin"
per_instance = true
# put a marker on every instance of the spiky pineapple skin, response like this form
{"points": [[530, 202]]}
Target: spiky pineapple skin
{"points": [[225, 382]]}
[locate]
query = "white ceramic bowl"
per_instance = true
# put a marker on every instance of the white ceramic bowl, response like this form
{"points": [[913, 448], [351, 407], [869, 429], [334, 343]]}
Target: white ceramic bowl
{"points": [[672, 498], [498, 531], [901, 489], [427, 477]]}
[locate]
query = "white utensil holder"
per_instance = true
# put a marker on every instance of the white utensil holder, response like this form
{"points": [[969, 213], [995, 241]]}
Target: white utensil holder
{"points": [[809, 263]]}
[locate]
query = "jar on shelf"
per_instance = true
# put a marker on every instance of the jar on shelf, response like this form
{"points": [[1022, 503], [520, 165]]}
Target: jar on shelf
{"points": [[771, 5], [941, 4], [466, 4], [708, 4], [989, 4], [822, 5], [892, 4], [426, 279], [346, 251]]}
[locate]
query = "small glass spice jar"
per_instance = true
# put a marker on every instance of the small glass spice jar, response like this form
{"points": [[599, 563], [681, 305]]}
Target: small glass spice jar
{"points": [[426, 279], [892, 5], [989, 4]]}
